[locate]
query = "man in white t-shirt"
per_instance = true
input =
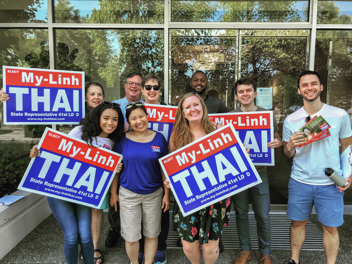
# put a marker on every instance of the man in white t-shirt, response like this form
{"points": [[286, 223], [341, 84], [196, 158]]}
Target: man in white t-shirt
{"points": [[308, 184]]}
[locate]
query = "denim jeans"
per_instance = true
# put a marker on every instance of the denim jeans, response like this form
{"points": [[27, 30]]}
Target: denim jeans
{"points": [[75, 222], [260, 195]]}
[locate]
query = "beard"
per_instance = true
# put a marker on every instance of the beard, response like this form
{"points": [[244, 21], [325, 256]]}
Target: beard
{"points": [[312, 100], [201, 92]]}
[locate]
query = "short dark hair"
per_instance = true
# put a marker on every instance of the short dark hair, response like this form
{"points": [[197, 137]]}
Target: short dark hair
{"points": [[150, 77], [246, 81], [128, 111], [91, 123], [303, 73], [132, 75], [192, 76]]}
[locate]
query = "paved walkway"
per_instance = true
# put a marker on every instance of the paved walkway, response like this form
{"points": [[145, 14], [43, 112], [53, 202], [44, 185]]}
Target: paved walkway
{"points": [[44, 245]]}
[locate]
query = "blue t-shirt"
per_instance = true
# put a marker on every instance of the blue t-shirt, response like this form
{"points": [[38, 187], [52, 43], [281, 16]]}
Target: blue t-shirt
{"points": [[310, 161], [141, 171]]}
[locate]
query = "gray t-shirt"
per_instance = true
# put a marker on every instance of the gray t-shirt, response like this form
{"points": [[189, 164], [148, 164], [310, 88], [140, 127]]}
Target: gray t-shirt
{"points": [[215, 105], [275, 129]]}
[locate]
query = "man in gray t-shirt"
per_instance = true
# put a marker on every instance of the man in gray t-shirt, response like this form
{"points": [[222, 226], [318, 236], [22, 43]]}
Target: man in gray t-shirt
{"points": [[245, 92], [199, 85]]}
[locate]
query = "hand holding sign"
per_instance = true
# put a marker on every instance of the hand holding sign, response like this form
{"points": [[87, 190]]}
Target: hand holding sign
{"points": [[3, 95], [209, 170]]}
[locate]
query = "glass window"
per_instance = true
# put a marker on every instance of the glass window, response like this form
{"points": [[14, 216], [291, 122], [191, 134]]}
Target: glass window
{"points": [[22, 48], [274, 59], [108, 56], [109, 11], [212, 51], [240, 11], [23, 11], [334, 12]]}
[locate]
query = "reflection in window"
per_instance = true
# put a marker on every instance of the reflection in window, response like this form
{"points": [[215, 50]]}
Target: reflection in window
{"points": [[23, 11], [334, 12], [275, 59], [109, 11], [22, 48], [211, 51], [108, 56], [240, 11], [333, 61]]}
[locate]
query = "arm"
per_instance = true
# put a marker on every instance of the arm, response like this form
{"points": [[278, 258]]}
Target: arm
{"points": [[165, 201], [114, 197], [294, 141], [3, 95], [345, 142]]}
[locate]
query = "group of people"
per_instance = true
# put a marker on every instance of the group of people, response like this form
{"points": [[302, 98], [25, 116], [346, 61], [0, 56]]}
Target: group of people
{"points": [[139, 201]]}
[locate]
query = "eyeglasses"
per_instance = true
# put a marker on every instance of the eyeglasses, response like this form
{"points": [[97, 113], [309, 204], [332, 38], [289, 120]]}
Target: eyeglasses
{"points": [[149, 87], [132, 104], [307, 119], [134, 83], [110, 103]]}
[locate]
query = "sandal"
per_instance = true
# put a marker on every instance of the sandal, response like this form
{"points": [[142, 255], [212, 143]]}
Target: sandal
{"points": [[101, 257]]}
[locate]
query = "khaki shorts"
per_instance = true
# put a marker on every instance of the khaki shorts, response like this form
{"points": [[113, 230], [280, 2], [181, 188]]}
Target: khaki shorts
{"points": [[135, 208]]}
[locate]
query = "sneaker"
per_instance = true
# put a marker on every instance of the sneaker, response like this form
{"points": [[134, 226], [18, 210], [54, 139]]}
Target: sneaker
{"points": [[160, 258], [292, 262], [112, 237], [141, 257]]}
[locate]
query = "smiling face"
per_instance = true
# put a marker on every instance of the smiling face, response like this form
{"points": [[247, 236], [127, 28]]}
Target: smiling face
{"points": [[310, 88], [192, 109], [133, 88], [108, 122], [199, 83], [151, 96], [94, 96], [138, 120], [306, 131], [246, 94]]}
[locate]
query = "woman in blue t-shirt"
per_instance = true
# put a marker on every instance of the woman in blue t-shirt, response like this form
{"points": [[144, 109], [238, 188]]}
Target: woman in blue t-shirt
{"points": [[103, 126], [141, 184]]}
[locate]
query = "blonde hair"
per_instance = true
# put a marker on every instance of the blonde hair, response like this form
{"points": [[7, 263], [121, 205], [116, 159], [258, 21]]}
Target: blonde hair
{"points": [[181, 134]]}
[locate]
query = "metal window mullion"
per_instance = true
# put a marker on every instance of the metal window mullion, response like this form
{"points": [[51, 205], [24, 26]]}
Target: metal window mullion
{"points": [[108, 26], [51, 40], [167, 13], [239, 25], [313, 34], [334, 26]]}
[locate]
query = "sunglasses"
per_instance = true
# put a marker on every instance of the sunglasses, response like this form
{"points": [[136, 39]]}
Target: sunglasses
{"points": [[110, 103], [307, 119], [149, 87], [132, 104]]}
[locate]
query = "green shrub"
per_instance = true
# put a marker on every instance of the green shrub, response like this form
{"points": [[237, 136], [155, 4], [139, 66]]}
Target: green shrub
{"points": [[12, 168]]}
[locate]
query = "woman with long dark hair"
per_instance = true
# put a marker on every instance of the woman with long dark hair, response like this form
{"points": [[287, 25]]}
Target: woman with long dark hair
{"points": [[205, 226], [103, 126]]}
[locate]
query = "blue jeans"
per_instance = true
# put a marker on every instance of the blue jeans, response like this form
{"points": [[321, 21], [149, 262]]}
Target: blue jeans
{"points": [[75, 222], [260, 195]]}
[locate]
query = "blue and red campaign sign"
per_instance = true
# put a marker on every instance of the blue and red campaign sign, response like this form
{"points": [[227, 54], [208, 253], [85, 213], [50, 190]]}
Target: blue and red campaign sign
{"points": [[43, 97], [209, 170], [70, 170], [255, 130], [161, 118]]}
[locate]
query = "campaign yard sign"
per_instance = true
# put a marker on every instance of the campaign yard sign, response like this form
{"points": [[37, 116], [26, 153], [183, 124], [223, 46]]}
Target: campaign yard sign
{"points": [[255, 130], [43, 97], [70, 170], [209, 170], [161, 118]]}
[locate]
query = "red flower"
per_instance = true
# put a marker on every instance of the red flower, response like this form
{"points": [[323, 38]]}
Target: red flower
{"points": [[210, 212], [194, 231], [220, 202], [225, 224]]}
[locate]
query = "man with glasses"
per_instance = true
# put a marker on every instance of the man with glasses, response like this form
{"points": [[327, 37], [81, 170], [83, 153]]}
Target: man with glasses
{"points": [[308, 184], [133, 94], [245, 92]]}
